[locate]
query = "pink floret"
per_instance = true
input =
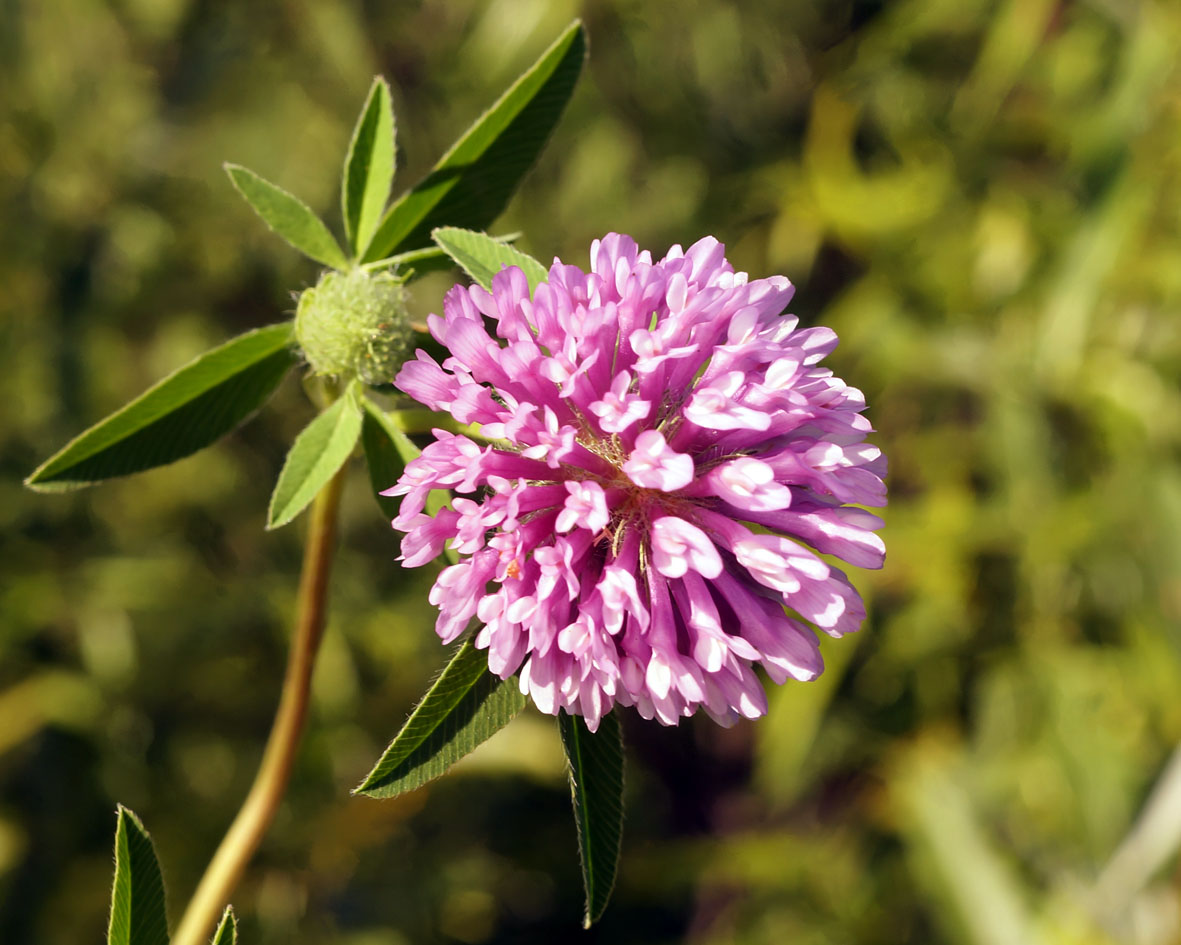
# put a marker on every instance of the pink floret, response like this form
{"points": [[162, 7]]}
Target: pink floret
{"points": [[669, 464]]}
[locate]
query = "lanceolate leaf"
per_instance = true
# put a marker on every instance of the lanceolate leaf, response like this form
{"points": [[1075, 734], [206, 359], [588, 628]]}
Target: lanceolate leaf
{"points": [[384, 455], [482, 257], [465, 707], [185, 412], [227, 929], [369, 167], [137, 897], [473, 181], [288, 216], [596, 789], [387, 451], [318, 452]]}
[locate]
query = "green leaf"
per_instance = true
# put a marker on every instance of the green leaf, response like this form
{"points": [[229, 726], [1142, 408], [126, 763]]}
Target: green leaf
{"points": [[288, 216], [227, 929], [137, 899], [467, 705], [318, 452], [482, 257], [369, 167], [386, 448], [596, 789], [473, 181], [183, 413]]}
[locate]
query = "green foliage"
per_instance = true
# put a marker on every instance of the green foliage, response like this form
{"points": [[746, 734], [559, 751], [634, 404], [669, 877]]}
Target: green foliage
{"points": [[596, 790], [387, 451], [288, 216], [482, 257], [978, 198], [138, 915], [227, 929], [465, 707], [369, 168], [315, 457], [384, 460], [183, 413], [473, 181], [979, 890]]}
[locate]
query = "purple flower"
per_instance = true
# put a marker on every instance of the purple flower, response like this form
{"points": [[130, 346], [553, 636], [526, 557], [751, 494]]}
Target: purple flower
{"points": [[663, 449]]}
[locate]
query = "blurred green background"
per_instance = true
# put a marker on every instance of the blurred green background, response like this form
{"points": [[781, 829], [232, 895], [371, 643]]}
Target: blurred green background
{"points": [[981, 198]]}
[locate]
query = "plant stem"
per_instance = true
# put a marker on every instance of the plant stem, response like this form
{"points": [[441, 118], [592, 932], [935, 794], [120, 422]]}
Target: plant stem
{"points": [[261, 804]]}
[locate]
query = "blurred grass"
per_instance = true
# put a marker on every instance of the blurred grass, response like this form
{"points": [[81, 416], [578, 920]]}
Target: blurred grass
{"points": [[980, 197]]}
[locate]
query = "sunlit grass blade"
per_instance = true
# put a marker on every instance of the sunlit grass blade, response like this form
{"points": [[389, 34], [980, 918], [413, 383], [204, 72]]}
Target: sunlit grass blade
{"points": [[318, 452], [181, 414], [465, 707], [970, 881], [288, 216], [482, 257], [227, 929], [369, 167], [596, 790], [472, 182], [138, 915]]}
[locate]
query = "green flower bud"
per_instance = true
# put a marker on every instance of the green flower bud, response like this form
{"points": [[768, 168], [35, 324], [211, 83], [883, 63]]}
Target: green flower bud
{"points": [[354, 324]]}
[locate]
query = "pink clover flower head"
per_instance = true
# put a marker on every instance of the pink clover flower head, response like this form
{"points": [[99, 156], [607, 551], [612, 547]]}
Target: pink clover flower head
{"points": [[668, 463]]}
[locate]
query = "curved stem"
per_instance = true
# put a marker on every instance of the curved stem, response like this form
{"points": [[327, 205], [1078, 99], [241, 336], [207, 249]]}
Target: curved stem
{"points": [[261, 804]]}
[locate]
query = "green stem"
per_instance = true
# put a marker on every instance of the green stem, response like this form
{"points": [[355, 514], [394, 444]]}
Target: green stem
{"points": [[262, 803]]}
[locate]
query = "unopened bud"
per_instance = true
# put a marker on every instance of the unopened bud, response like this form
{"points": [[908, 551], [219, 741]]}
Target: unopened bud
{"points": [[354, 324]]}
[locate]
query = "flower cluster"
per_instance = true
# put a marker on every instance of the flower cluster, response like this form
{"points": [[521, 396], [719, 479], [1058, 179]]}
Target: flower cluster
{"points": [[661, 445]]}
